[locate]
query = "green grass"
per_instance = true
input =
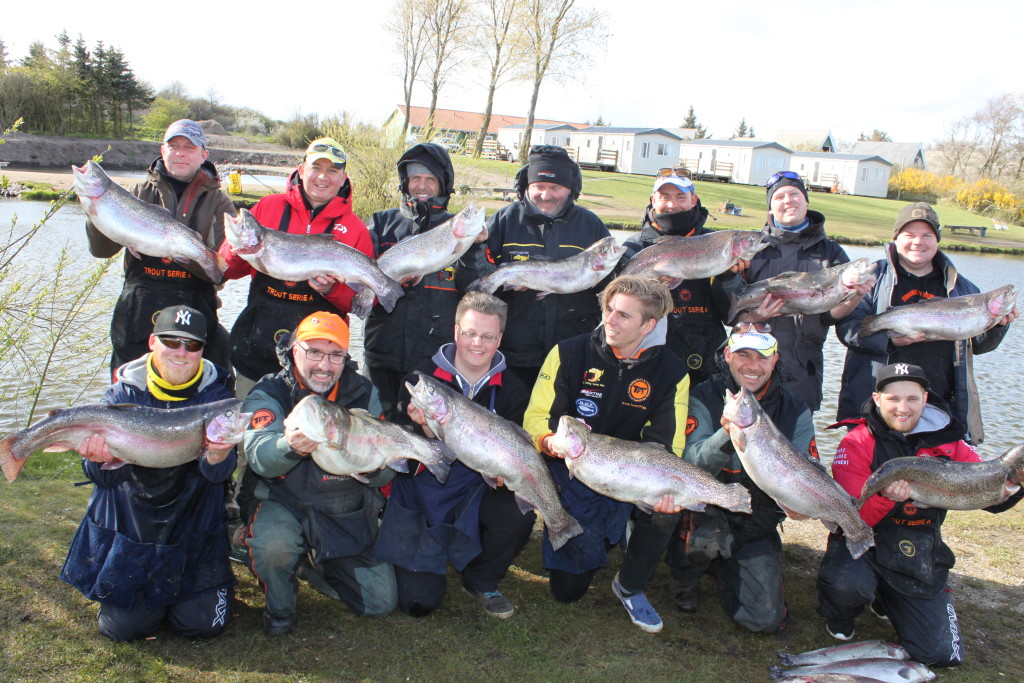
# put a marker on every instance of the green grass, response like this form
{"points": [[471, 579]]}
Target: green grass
{"points": [[48, 631]]}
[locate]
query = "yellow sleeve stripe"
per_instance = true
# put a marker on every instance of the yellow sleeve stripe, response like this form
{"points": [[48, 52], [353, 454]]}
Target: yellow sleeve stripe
{"points": [[536, 420]]}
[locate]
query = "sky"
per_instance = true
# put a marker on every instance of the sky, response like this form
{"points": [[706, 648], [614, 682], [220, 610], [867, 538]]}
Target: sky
{"points": [[908, 68]]}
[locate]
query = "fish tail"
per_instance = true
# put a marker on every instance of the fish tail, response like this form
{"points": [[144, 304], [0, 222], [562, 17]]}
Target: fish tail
{"points": [[362, 303], [860, 541], [476, 285], [777, 672], [389, 296], [738, 498], [440, 466], [786, 658], [10, 463], [560, 535], [214, 267]]}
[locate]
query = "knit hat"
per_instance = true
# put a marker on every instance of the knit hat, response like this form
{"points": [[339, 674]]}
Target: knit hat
{"points": [[901, 372], [551, 164], [918, 211], [186, 128], [781, 179], [323, 325], [180, 321]]}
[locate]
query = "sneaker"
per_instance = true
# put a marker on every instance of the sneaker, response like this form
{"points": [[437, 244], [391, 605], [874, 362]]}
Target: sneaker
{"points": [[278, 626], [879, 611], [840, 630], [683, 597], [638, 607], [495, 603]]}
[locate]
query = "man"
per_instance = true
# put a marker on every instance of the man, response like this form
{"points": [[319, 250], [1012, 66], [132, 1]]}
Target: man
{"points": [[478, 529], [301, 518], [398, 341], [544, 222], [749, 578], [904, 577], [318, 201], [185, 183], [622, 382], [152, 546], [797, 242], [914, 270], [700, 308]]}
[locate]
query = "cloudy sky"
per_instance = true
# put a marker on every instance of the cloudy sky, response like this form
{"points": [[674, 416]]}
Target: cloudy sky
{"points": [[906, 67]]}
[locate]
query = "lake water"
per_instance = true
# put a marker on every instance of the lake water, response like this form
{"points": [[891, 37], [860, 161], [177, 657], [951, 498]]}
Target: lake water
{"points": [[1002, 403]]}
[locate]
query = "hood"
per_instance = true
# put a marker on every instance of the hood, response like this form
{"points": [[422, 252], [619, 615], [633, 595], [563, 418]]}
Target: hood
{"points": [[937, 425], [652, 342], [445, 359], [436, 158], [941, 262]]}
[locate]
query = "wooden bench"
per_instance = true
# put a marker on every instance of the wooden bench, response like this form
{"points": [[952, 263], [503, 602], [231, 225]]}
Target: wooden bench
{"points": [[507, 193], [982, 229]]}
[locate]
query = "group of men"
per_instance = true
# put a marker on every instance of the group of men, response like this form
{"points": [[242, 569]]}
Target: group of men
{"points": [[641, 363]]}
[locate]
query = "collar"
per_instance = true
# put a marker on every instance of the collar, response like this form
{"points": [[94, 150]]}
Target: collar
{"points": [[164, 390], [444, 359]]}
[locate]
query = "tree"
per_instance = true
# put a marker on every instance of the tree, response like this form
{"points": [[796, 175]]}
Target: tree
{"points": [[876, 136], [445, 41], [3, 55], [557, 35], [741, 130], [500, 45], [408, 30], [691, 122], [163, 112]]}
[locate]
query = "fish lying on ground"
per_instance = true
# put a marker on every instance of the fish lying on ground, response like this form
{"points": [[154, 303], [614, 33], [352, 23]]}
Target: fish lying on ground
{"points": [[298, 257], [354, 442], [940, 483], [882, 669], [559, 276], [640, 473], [949, 319], [806, 293], [433, 250], [495, 447], [828, 678], [797, 482], [138, 435], [874, 649], [676, 258], [139, 227]]}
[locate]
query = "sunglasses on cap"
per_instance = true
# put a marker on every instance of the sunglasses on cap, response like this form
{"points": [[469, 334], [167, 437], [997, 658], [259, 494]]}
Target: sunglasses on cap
{"points": [[321, 148], [744, 327], [792, 175], [174, 343], [678, 172]]}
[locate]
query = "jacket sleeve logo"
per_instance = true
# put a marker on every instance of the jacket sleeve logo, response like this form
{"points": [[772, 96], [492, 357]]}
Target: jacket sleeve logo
{"points": [[691, 425], [262, 418], [639, 390]]}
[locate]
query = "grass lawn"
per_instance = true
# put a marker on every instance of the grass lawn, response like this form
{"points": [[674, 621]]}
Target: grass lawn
{"points": [[48, 630]]}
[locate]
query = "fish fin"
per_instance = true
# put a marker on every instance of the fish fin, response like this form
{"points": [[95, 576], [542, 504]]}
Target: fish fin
{"points": [[560, 535], [477, 285], [541, 295], [59, 447], [400, 465], [134, 252], [644, 506], [525, 506], [921, 505], [787, 659], [672, 283], [362, 303], [829, 524], [114, 464], [360, 477], [9, 462], [490, 481], [696, 507], [180, 259], [440, 467], [777, 672]]}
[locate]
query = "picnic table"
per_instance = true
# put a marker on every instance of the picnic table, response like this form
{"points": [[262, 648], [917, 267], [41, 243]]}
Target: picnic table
{"points": [[982, 229]]}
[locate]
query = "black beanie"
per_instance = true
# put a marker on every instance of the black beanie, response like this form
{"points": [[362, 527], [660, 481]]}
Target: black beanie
{"points": [[782, 182], [551, 164]]}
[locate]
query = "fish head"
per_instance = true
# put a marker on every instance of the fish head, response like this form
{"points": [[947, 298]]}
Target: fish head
{"points": [[243, 233], [469, 222], [570, 439], [1002, 301], [605, 254], [741, 408], [428, 395], [228, 426], [747, 243], [858, 272], [314, 418], [91, 181]]}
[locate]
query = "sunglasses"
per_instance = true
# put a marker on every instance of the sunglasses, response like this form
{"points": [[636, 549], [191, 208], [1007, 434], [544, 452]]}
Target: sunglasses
{"points": [[328, 149], [792, 175], [174, 343], [678, 172], [744, 327]]}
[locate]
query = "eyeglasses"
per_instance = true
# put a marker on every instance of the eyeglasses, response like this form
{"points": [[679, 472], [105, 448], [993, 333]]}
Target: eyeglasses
{"points": [[744, 327], [678, 172], [174, 343], [792, 175], [316, 356], [327, 149], [473, 336]]}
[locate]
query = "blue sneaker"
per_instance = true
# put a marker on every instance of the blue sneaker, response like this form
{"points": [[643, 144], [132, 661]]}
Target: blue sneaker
{"points": [[638, 607]]}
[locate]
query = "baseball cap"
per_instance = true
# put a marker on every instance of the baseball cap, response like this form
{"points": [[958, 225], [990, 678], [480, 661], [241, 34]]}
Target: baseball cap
{"points": [[743, 337], [323, 325], [186, 128], [918, 211], [326, 148], [901, 372], [180, 321], [684, 184]]}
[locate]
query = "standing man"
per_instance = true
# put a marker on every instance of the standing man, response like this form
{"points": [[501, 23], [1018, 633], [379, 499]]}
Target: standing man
{"points": [[152, 546], [621, 381], [318, 201], [797, 243], [700, 308], [465, 522], [914, 270], [749, 578], [544, 222], [300, 518], [421, 321], [185, 183], [904, 576]]}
